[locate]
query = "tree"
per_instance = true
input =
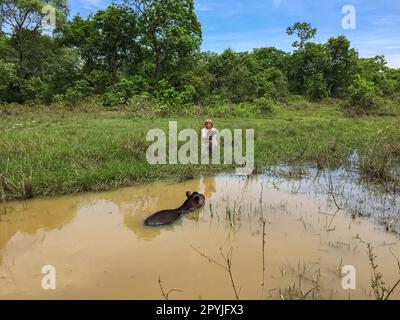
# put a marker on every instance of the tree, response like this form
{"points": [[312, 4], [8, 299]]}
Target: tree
{"points": [[232, 77], [361, 93], [171, 32], [265, 58], [271, 83], [317, 87], [303, 31], [391, 86], [23, 20], [341, 66], [82, 35], [107, 40], [374, 69], [118, 37], [306, 66]]}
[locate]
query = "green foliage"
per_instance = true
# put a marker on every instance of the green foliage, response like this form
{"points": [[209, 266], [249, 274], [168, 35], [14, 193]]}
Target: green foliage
{"points": [[361, 94], [106, 149], [341, 66], [152, 47], [265, 105], [171, 33], [271, 83], [166, 93], [27, 14], [317, 88], [297, 102], [306, 65], [100, 80], [78, 92], [34, 89], [107, 40], [304, 32], [122, 91], [7, 76]]}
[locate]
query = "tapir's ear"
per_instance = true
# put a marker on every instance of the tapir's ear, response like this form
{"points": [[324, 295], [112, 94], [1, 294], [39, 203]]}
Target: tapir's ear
{"points": [[188, 193]]}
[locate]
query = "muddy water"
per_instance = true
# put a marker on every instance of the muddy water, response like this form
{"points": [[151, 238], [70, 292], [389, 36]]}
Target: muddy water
{"points": [[100, 248]]}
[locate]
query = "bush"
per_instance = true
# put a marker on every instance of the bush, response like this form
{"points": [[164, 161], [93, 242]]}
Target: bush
{"points": [[78, 92], [122, 91], [35, 90], [99, 80], [297, 102], [7, 76], [188, 94], [265, 105], [166, 94], [317, 87], [245, 110], [170, 101], [361, 94], [271, 83], [219, 109]]}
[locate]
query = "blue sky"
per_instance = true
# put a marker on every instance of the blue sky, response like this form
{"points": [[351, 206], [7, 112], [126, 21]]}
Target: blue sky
{"points": [[246, 24]]}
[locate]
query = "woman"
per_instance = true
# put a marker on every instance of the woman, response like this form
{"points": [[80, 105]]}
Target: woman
{"points": [[209, 138]]}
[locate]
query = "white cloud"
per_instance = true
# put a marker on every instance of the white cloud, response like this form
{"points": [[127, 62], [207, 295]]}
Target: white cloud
{"points": [[203, 8], [92, 3]]}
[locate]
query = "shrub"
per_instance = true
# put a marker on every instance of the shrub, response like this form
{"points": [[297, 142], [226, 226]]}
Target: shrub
{"points": [[167, 94], [123, 90], [7, 76], [361, 94], [265, 105], [187, 95], [245, 110], [35, 90], [271, 83], [78, 92], [297, 102], [100, 80], [317, 87]]}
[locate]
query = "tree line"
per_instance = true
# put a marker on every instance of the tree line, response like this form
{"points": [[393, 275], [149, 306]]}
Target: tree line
{"points": [[151, 49]]}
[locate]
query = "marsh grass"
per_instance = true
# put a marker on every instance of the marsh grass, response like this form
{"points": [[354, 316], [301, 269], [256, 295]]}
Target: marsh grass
{"points": [[307, 285], [233, 215], [380, 289], [227, 266], [50, 151], [378, 157], [165, 294]]}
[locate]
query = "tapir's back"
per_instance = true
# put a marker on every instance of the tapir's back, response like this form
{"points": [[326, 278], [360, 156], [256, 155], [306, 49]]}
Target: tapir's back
{"points": [[163, 218]]}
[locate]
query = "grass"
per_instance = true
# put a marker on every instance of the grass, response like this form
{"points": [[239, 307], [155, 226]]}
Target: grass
{"points": [[47, 152], [380, 289]]}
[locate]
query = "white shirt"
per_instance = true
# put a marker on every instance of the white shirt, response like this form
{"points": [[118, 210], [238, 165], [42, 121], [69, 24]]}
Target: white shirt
{"points": [[205, 135]]}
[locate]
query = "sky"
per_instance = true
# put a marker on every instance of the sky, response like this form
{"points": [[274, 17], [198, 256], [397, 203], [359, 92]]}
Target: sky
{"points": [[243, 25]]}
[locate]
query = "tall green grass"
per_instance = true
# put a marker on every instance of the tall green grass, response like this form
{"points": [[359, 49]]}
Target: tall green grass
{"points": [[49, 152]]}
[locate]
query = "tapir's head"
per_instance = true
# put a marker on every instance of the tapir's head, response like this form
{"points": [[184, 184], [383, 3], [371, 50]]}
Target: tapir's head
{"points": [[194, 200]]}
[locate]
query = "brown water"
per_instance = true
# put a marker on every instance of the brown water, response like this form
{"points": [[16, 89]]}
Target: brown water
{"points": [[100, 248]]}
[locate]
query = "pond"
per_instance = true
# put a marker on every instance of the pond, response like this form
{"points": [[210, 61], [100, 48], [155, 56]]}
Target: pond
{"points": [[285, 239]]}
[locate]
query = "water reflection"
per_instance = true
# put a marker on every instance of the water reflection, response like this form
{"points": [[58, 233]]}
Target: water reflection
{"points": [[30, 217]]}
